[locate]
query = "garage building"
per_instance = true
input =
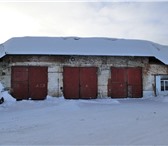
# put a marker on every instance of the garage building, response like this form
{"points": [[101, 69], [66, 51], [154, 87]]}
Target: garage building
{"points": [[83, 68]]}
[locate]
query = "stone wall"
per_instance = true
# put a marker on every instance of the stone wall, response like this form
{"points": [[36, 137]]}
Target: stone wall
{"points": [[150, 71], [55, 69]]}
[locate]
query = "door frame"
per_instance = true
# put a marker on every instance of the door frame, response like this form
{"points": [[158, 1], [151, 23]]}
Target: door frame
{"points": [[28, 83], [81, 85], [133, 90]]}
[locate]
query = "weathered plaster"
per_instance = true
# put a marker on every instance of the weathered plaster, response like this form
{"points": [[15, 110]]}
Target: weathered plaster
{"points": [[55, 69], [149, 73]]}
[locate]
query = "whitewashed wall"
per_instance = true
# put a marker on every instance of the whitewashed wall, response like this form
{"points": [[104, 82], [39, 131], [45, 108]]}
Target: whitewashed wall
{"points": [[55, 70]]}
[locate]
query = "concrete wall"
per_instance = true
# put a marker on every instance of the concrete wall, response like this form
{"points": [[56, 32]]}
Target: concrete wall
{"points": [[55, 69]]}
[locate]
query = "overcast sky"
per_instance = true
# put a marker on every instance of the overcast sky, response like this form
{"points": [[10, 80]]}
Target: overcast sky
{"points": [[129, 20]]}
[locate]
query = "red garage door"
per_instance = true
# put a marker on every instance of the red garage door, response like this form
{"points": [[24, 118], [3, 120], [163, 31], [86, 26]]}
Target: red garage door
{"points": [[80, 82], [134, 81], [29, 82], [118, 83], [38, 77], [20, 82], [125, 82], [71, 82]]}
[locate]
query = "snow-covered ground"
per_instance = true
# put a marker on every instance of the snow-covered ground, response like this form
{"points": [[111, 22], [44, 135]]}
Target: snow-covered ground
{"points": [[56, 121]]}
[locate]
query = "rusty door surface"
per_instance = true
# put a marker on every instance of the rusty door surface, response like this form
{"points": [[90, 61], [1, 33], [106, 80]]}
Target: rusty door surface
{"points": [[71, 82], [29, 82], [118, 83], [38, 79], [125, 82], [88, 82], [19, 83], [80, 82], [134, 79]]}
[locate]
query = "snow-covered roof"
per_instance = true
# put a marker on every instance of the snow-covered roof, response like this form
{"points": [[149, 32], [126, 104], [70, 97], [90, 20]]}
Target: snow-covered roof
{"points": [[2, 51], [95, 46]]}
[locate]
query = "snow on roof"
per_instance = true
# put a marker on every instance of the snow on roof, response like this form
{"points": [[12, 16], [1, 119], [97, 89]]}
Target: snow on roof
{"points": [[2, 51], [95, 46]]}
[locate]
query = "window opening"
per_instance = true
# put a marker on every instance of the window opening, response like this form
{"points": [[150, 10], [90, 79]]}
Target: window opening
{"points": [[164, 83]]}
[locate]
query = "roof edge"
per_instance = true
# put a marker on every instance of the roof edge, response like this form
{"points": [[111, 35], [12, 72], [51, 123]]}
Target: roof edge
{"points": [[2, 51]]}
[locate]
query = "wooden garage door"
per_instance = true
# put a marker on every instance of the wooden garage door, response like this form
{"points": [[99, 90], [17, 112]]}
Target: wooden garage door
{"points": [[88, 82], [38, 78], [71, 82], [125, 82], [80, 82], [29, 82], [19, 83], [134, 81], [118, 83]]}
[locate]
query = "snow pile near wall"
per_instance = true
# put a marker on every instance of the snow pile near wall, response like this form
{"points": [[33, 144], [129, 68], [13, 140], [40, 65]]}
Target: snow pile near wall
{"points": [[7, 97], [71, 104], [161, 98]]}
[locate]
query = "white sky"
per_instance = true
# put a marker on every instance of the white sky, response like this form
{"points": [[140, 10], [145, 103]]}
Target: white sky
{"points": [[130, 20]]}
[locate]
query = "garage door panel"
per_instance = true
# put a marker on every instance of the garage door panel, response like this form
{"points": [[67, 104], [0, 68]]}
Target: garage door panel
{"points": [[134, 75], [90, 93], [20, 90], [134, 82], [71, 82], [118, 90], [38, 74], [135, 91], [38, 91], [126, 82], [88, 82], [118, 75], [118, 82], [19, 74], [19, 82], [38, 82], [80, 82], [20, 69], [29, 82]]}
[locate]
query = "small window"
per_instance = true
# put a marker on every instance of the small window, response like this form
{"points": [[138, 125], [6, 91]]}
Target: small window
{"points": [[164, 83]]}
